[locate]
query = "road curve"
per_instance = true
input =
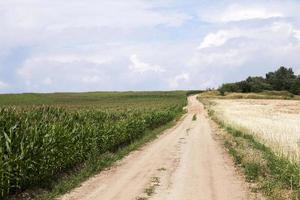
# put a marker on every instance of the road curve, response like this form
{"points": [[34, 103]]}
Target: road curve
{"points": [[184, 163]]}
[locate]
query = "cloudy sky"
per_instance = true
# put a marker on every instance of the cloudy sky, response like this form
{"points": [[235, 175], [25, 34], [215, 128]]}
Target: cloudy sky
{"points": [[75, 45]]}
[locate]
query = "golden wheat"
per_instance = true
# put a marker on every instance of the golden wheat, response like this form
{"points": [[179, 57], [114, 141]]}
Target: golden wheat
{"points": [[276, 122]]}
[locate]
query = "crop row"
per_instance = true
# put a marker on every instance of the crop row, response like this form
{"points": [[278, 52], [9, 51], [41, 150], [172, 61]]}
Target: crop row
{"points": [[39, 143]]}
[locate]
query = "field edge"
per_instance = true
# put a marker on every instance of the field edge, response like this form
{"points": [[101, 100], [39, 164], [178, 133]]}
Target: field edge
{"points": [[275, 176]]}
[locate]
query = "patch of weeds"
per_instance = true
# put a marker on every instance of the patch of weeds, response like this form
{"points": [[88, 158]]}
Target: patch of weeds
{"points": [[141, 198], [231, 150], [151, 189], [155, 180], [194, 117], [235, 155], [252, 171], [162, 169]]}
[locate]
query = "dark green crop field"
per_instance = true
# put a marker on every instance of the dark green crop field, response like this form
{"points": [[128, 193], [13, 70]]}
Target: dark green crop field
{"points": [[42, 135], [96, 100]]}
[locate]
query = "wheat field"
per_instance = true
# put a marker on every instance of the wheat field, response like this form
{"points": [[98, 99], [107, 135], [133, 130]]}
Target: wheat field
{"points": [[275, 122]]}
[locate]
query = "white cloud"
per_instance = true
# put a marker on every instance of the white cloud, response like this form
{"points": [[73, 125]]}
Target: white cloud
{"points": [[40, 15], [142, 67], [3, 85], [276, 31], [140, 44], [218, 59], [47, 81], [51, 25], [297, 34], [63, 74], [91, 79], [219, 38], [71, 58], [178, 80], [241, 12], [226, 53]]}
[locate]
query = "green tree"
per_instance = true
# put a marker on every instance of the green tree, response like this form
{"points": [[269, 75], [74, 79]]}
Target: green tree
{"points": [[295, 88], [230, 87], [281, 79], [254, 84]]}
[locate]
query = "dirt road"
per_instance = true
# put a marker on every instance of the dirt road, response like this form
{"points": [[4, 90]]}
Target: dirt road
{"points": [[184, 163]]}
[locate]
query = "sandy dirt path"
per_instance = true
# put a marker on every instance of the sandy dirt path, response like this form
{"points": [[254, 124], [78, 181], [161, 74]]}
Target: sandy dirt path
{"points": [[184, 163]]}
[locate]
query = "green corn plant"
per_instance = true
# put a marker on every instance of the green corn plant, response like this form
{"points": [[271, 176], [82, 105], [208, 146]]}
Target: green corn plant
{"points": [[39, 142]]}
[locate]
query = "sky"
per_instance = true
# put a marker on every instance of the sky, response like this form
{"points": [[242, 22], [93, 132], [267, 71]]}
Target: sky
{"points": [[101, 45]]}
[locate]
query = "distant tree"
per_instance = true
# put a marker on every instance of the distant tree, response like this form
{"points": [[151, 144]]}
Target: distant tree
{"points": [[295, 88], [222, 92], [230, 87], [251, 84], [281, 79], [243, 86], [254, 84]]}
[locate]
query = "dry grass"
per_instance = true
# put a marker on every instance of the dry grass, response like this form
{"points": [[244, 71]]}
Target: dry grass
{"points": [[262, 95], [275, 122]]}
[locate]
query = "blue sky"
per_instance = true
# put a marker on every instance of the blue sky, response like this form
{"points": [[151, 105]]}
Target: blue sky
{"points": [[92, 45]]}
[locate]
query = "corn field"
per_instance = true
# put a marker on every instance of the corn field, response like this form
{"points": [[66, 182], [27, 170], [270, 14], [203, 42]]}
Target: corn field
{"points": [[37, 143]]}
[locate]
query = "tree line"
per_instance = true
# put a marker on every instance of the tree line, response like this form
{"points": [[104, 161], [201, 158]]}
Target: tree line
{"points": [[283, 79]]}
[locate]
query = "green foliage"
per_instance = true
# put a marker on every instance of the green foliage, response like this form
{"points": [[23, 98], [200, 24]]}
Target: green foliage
{"points": [[38, 142], [194, 117], [254, 84], [112, 101], [252, 171], [295, 88], [282, 79], [230, 87], [191, 92], [222, 92]]}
